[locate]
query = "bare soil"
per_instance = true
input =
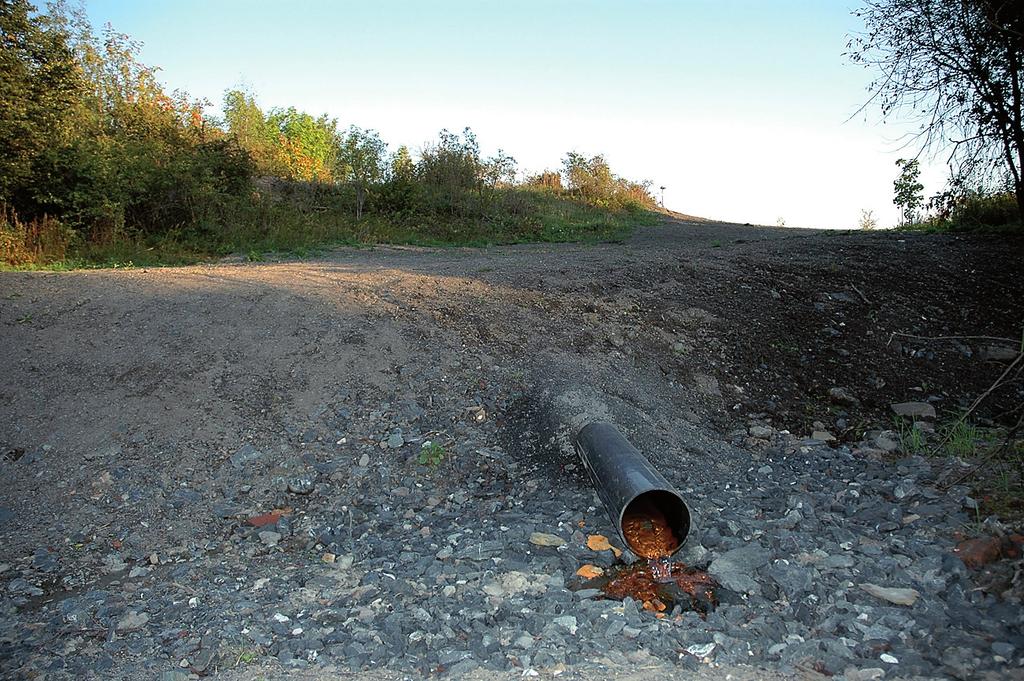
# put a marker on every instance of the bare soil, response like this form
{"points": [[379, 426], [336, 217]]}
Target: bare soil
{"points": [[172, 370]]}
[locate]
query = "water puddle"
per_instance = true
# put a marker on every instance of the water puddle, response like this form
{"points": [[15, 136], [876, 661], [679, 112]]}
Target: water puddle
{"points": [[659, 586]]}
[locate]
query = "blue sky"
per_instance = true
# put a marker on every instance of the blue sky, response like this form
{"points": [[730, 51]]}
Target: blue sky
{"points": [[738, 107]]}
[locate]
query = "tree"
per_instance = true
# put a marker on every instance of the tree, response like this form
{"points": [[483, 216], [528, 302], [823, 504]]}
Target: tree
{"points": [[246, 122], [955, 67], [40, 83], [908, 189], [499, 170], [450, 169], [308, 145], [361, 156], [402, 168]]}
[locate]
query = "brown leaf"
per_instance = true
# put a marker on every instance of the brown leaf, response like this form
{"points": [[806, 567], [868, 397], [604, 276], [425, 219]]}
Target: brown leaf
{"points": [[589, 571], [599, 542], [265, 519]]}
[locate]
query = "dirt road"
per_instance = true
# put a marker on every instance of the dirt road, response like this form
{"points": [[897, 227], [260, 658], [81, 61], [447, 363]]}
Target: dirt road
{"points": [[133, 401]]}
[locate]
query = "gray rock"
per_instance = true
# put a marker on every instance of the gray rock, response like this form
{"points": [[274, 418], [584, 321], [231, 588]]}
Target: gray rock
{"points": [[996, 353], [132, 620], [792, 578], [823, 436], [893, 595], [545, 539], [567, 622], [174, 675], [396, 440], [302, 485], [763, 432], [270, 538], [1004, 649], [244, 455], [23, 587], [914, 410], [524, 641], [733, 569], [843, 397]]}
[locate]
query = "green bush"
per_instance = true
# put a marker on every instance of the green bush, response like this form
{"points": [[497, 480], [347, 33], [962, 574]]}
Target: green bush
{"points": [[980, 210]]}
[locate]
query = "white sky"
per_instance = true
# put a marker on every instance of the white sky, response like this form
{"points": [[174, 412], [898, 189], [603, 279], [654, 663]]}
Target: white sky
{"points": [[738, 107]]}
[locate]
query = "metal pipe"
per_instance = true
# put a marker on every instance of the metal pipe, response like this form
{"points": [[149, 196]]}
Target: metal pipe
{"points": [[631, 489]]}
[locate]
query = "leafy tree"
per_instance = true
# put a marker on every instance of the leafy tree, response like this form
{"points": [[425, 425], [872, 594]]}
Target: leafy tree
{"points": [[39, 86], [450, 169], [590, 178], [402, 167], [908, 189], [361, 157], [248, 125], [499, 170], [308, 148], [956, 68]]}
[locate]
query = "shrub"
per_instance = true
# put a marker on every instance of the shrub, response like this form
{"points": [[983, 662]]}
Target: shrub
{"points": [[40, 240]]}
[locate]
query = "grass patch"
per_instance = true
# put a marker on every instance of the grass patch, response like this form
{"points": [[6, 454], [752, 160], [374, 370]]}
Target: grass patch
{"points": [[962, 439], [264, 227], [912, 439]]}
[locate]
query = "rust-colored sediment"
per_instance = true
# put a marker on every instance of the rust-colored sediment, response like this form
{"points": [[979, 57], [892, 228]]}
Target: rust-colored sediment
{"points": [[648, 532], [640, 583]]}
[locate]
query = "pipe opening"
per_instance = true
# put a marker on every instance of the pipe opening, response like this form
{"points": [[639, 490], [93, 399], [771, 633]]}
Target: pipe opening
{"points": [[655, 524]]}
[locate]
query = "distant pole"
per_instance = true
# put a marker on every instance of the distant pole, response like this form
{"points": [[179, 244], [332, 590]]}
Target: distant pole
{"points": [[662, 196]]}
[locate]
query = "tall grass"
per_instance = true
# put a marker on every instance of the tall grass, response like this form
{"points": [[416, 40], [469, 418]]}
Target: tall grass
{"points": [[40, 241], [295, 221]]}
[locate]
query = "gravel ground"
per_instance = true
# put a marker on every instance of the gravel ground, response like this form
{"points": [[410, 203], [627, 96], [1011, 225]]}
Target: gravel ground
{"points": [[225, 471]]}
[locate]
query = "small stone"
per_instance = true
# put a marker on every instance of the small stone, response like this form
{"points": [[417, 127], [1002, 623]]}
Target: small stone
{"points": [[544, 539], [914, 410], [23, 587], [328, 558], [1003, 649], [843, 396], [763, 432], [567, 622], [525, 641], [300, 485], [395, 440], [270, 538], [823, 436], [702, 650], [733, 568], [997, 353], [364, 460], [887, 442], [244, 455], [174, 675], [888, 659], [893, 595], [132, 621]]}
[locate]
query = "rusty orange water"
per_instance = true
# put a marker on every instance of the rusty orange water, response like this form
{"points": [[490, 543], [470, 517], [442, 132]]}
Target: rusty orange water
{"points": [[648, 532], [643, 584]]}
